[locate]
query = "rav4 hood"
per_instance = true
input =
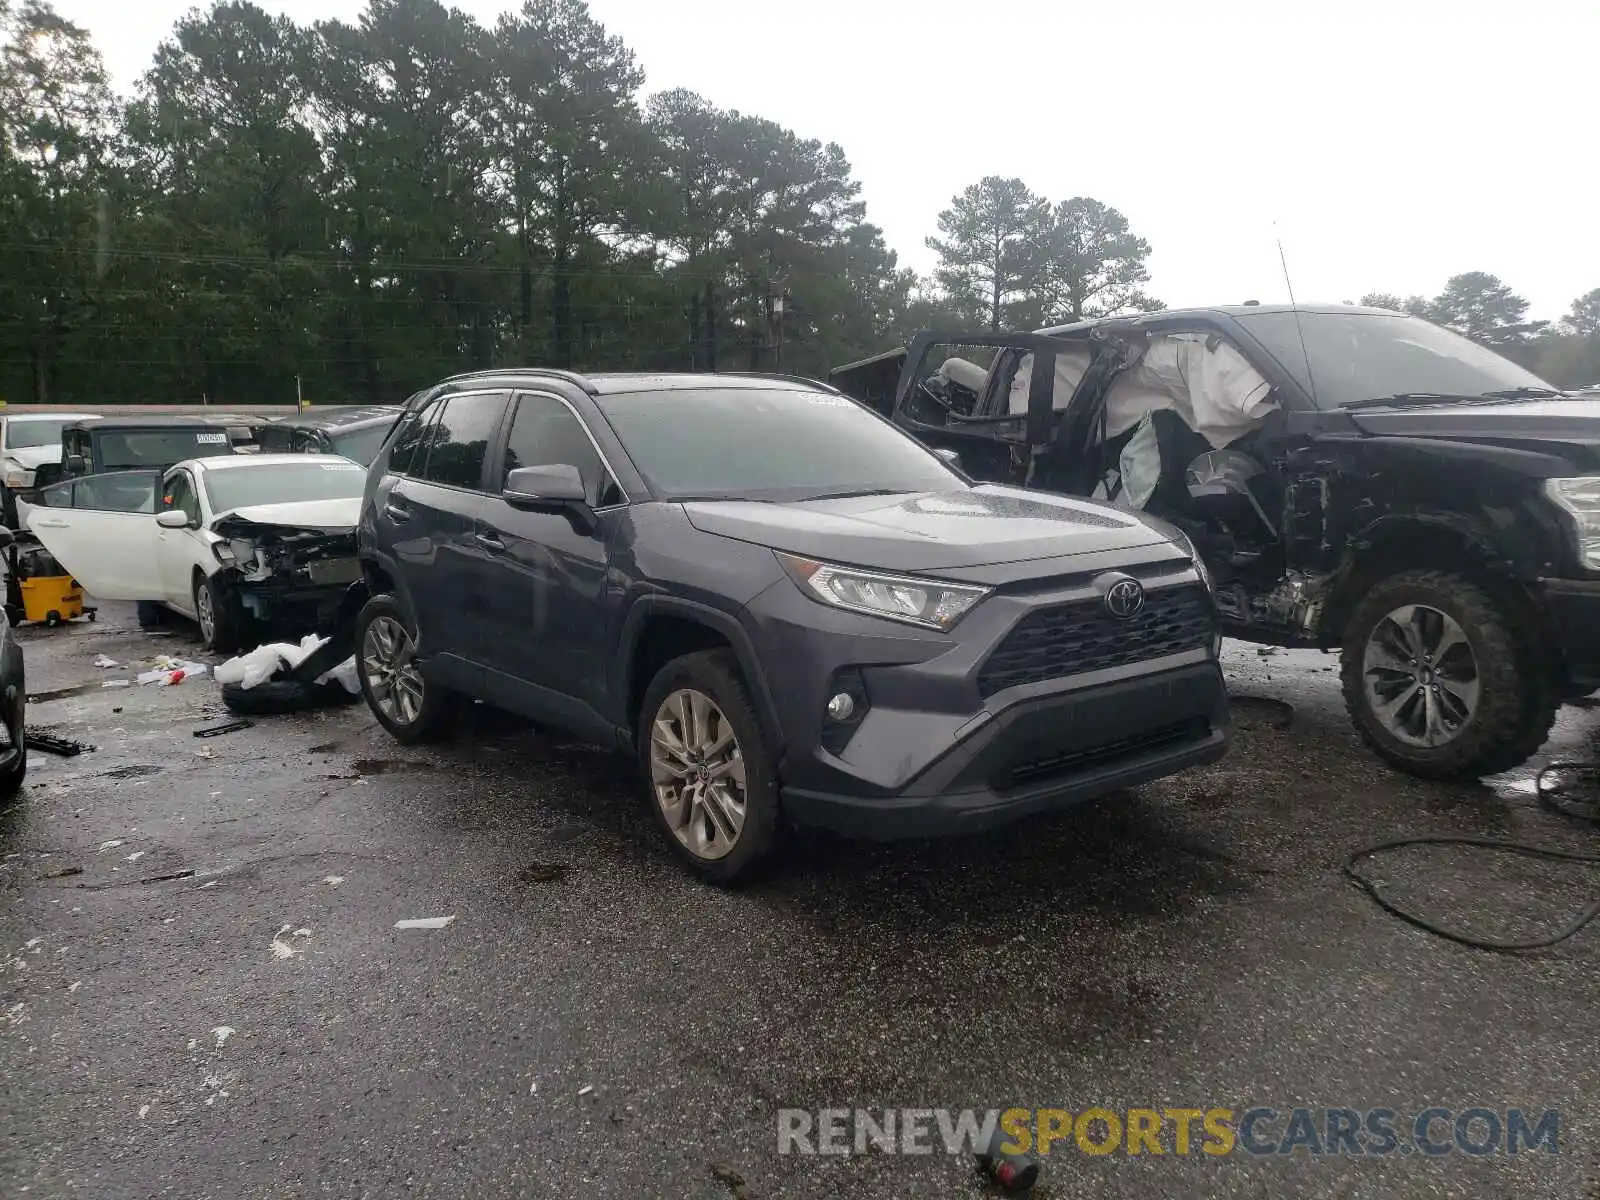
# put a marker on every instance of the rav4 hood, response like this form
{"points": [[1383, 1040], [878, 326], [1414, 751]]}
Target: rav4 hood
{"points": [[929, 531], [1568, 422], [320, 516]]}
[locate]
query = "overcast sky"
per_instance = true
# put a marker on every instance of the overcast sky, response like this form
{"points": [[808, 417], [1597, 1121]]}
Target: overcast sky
{"points": [[1390, 143]]}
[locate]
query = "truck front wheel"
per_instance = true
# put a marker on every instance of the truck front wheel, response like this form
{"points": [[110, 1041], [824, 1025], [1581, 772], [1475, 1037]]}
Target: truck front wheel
{"points": [[1446, 679]]}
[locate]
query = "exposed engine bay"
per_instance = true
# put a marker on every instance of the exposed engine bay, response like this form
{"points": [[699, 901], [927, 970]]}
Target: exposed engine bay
{"points": [[279, 569]]}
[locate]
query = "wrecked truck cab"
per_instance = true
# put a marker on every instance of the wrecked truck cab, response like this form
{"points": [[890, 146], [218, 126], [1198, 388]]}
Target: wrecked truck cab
{"points": [[1351, 477], [248, 546]]}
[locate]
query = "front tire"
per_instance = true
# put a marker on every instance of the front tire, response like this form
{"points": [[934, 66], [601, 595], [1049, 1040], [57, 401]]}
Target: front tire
{"points": [[407, 705], [1445, 678], [219, 614], [708, 773]]}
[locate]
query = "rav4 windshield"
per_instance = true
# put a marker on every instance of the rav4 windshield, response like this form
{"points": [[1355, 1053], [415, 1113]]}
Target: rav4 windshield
{"points": [[767, 444], [1360, 356], [121, 450]]}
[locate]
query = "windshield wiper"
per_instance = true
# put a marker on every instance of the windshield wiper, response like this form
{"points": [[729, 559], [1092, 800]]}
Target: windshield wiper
{"points": [[1526, 393], [1411, 399], [854, 492]]}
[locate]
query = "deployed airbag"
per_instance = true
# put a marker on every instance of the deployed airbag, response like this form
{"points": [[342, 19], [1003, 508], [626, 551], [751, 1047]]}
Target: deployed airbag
{"points": [[1200, 377]]}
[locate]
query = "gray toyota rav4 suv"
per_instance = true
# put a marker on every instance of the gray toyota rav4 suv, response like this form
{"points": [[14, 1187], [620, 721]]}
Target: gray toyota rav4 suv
{"points": [[785, 607]]}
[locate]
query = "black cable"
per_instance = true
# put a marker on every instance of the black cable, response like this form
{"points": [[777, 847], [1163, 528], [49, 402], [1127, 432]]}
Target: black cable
{"points": [[1572, 927]]}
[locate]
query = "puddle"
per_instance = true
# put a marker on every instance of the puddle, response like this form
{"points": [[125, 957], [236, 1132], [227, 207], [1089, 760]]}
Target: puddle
{"points": [[131, 772], [1261, 712], [542, 873], [389, 766], [83, 689]]}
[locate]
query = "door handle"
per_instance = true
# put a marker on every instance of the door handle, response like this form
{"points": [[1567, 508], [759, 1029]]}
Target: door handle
{"points": [[490, 541], [396, 512]]}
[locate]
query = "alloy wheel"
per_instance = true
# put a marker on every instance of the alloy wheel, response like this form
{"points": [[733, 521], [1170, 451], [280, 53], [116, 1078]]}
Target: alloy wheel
{"points": [[1421, 676], [697, 773], [204, 612], [391, 674]]}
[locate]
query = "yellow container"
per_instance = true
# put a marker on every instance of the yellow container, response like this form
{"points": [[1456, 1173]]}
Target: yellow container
{"points": [[51, 599]]}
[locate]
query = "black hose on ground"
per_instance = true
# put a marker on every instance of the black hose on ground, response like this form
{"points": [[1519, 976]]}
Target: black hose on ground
{"points": [[1589, 812]]}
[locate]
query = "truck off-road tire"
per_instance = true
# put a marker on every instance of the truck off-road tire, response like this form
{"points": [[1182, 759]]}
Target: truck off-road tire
{"points": [[407, 705], [224, 624], [1445, 677], [709, 776], [151, 615]]}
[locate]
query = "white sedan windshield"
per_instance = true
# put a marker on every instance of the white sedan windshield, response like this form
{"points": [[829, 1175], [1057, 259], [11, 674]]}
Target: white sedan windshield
{"points": [[284, 483]]}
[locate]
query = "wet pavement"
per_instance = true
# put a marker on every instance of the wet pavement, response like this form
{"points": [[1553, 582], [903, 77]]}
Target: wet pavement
{"points": [[203, 992]]}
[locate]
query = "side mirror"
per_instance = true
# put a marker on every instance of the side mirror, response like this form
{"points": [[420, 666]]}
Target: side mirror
{"points": [[950, 457], [172, 518], [75, 464], [548, 488]]}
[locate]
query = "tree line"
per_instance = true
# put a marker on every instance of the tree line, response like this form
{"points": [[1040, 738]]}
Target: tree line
{"points": [[349, 211]]}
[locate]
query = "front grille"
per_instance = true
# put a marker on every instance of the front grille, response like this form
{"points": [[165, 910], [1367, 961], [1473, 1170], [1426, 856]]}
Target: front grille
{"points": [[1071, 639], [1077, 762]]}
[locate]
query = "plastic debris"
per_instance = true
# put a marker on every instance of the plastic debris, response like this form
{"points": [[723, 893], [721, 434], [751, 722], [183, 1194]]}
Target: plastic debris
{"points": [[333, 880], [424, 922], [222, 1033], [38, 739], [211, 731], [170, 671], [204, 752], [116, 683], [111, 845], [261, 664], [102, 661], [344, 675]]}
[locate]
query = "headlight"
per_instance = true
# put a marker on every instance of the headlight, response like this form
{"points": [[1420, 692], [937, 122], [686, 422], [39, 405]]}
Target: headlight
{"points": [[1581, 500], [18, 477], [926, 602]]}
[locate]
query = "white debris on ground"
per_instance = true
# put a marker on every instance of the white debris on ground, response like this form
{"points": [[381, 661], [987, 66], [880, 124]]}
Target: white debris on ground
{"points": [[103, 661], [265, 662], [222, 1033], [424, 922]]}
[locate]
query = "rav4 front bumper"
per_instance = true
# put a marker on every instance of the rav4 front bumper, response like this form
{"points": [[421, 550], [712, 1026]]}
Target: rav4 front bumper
{"points": [[1043, 755], [1036, 702]]}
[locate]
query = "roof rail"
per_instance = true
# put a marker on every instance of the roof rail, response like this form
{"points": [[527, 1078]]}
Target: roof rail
{"points": [[816, 383], [571, 377]]}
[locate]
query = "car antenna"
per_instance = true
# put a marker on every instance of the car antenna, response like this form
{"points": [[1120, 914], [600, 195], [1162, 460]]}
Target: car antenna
{"points": [[1299, 328]]}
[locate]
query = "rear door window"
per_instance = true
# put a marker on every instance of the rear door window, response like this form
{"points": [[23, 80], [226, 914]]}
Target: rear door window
{"points": [[458, 442]]}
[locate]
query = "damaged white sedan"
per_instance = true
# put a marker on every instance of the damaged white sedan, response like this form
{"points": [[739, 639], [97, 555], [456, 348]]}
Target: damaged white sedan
{"points": [[244, 545]]}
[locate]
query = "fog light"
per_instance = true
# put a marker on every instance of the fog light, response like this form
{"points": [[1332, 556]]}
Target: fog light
{"points": [[841, 707]]}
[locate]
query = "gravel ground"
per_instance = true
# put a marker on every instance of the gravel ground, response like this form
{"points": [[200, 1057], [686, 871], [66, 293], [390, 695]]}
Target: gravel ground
{"points": [[594, 1022]]}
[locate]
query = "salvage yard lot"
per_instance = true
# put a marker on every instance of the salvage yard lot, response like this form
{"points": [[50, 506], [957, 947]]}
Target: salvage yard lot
{"points": [[596, 1022]]}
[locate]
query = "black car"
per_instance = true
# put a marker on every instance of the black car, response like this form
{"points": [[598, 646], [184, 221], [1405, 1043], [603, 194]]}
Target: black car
{"points": [[1353, 477], [13, 701], [354, 432], [784, 606]]}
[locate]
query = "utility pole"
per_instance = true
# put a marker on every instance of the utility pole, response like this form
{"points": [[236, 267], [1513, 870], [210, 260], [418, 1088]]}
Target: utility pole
{"points": [[299, 396]]}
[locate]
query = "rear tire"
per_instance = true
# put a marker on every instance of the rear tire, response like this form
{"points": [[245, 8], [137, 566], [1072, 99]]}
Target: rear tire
{"points": [[709, 776], [1482, 706], [407, 705]]}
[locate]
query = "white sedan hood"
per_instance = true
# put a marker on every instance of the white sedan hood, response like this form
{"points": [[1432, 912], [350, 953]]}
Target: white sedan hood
{"points": [[322, 516], [31, 458]]}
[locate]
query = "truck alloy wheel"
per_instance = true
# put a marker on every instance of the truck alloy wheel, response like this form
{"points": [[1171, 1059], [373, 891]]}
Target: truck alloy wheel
{"points": [[697, 773], [1421, 675]]}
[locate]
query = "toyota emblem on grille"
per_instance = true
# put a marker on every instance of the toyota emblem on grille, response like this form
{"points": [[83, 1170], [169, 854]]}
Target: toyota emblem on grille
{"points": [[1124, 599]]}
